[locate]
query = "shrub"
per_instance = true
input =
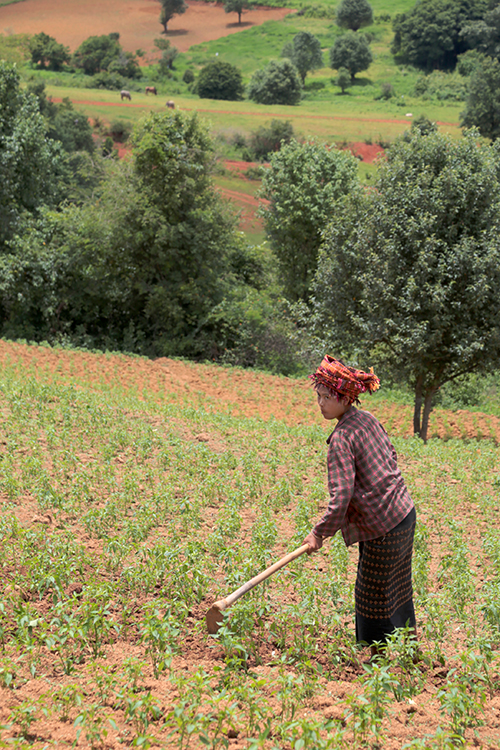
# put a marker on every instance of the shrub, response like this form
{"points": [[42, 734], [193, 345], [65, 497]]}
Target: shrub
{"points": [[386, 91], [443, 86], [269, 138], [120, 130], [188, 76], [277, 83], [220, 80]]}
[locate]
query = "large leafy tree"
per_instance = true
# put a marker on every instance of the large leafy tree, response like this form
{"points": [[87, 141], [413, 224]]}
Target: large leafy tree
{"points": [[169, 9], [47, 52], [31, 164], [304, 52], [354, 14], [409, 274], [429, 35], [277, 83], [96, 53], [352, 52], [237, 6], [220, 80], [483, 100], [302, 184], [484, 35]]}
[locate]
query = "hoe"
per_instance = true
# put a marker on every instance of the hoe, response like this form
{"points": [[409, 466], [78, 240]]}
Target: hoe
{"points": [[214, 615]]}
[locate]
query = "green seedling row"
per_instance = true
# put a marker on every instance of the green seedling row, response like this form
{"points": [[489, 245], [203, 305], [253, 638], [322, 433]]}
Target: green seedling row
{"points": [[126, 511]]}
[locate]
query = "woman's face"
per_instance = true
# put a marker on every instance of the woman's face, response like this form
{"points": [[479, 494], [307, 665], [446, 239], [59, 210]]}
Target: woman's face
{"points": [[328, 404]]}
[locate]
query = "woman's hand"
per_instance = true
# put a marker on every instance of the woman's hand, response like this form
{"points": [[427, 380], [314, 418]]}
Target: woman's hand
{"points": [[315, 542]]}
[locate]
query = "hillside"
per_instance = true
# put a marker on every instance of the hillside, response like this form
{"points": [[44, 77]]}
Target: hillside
{"points": [[134, 493]]}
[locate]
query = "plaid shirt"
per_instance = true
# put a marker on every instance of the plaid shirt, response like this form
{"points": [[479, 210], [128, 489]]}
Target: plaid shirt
{"points": [[368, 496]]}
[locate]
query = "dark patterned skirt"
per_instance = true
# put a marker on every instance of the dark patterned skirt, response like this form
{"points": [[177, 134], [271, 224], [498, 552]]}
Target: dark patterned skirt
{"points": [[384, 593]]}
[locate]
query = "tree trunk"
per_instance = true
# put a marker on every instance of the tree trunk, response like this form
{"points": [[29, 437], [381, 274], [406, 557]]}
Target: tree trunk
{"points": [[239, 16], [418, 407], [427, 411]]}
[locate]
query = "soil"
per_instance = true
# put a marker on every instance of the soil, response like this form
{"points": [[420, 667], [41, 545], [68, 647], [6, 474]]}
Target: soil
{"points": [[72, 21], [226, 390]]}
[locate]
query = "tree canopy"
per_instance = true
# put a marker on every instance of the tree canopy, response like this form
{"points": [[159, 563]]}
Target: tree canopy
{"points": [[429, 35], [354, 14], [304, 52], [409, 274], [47, 52], [169, 9], [277, 83], [31, 164], [220, 80], [482, 108], [104, 53], [237, 6], [351, 51], [302, 184]]}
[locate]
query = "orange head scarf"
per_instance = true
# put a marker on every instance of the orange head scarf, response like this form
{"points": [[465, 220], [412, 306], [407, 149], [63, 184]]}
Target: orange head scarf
{"points": [[346, 382]]}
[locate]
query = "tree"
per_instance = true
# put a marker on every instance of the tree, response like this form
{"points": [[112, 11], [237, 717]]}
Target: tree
{"points": [[429, 35], [484, 35], [269, 138], [45, 51], [351, 51], [64, 123], [168, 54], [31, 164], [220, 80], [304, 52], [409, 274], [96, 53], [169, 9], [277, 83], [237, 6], [343, 79], [482, 107], [302, 185], [354, 14]]}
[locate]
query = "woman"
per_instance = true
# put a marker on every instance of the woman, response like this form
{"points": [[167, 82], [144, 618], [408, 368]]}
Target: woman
{"points": [[369, 503]]}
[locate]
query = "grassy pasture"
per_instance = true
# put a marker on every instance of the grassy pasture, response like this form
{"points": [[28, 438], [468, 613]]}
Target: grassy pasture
{"points": [[132, 494]]}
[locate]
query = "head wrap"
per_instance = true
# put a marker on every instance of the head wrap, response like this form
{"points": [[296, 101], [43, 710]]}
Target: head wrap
{"points": [[346, 382]]}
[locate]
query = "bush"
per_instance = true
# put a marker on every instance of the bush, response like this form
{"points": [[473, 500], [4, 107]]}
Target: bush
{"points": [[386, 91], [469, 62], [442, 86], [269, 138], [120, 130], [188, 76], [110, 81], [220, 80], [277, 83]]}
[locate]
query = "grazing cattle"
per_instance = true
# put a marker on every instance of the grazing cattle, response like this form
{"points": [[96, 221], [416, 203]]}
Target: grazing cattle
{"points": [[171, 104], [151, 90], [125, 95]]}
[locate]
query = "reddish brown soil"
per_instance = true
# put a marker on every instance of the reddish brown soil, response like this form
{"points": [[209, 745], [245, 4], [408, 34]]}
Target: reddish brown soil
{"points": [[366, 152], [72, 21], [285, 399]]}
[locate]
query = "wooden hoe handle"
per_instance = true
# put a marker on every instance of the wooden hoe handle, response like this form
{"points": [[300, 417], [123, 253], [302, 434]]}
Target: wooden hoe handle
{"points": [[214, 614]]}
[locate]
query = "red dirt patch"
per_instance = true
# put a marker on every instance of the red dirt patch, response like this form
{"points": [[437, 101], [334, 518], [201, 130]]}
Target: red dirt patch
{"points": [[366, 152], [72, 21]]}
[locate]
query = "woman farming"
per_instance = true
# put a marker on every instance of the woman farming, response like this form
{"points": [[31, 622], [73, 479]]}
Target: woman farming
{"points": [[369, 503]]}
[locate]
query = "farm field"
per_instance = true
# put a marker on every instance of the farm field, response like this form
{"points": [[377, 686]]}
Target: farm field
{"points": [[134, 493]]}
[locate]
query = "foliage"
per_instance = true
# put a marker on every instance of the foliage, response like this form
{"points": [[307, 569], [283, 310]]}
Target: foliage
{"points": [[304, 51], [442, 86], [168, 55], [220, 80], [46, 52], [31, 164], [98, 54], [169, 9], [351, 51], [343, 79], [237, 6], [409, 274], [354, 14], [269, 138], [277, 83], [303, 183], [386, 91], [484, 35], [483, 99], [429, 35]]}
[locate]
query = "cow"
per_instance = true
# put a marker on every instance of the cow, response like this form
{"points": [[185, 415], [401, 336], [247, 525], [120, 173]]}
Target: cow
{"points": [[151, 90], [170, 104], [125, 95]]}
